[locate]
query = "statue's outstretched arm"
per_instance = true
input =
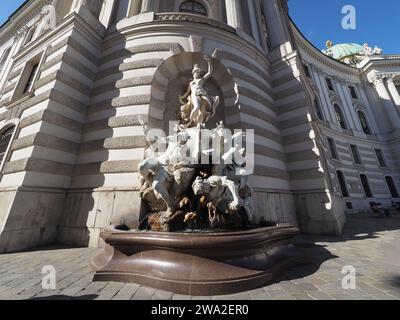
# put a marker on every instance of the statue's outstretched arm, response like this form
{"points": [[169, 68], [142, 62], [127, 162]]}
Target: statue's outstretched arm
{"points": [[210, 68]]}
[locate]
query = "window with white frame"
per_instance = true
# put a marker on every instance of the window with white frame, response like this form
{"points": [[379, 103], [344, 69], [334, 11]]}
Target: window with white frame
{"points": [[318, 110], [366, 186], [332, 149], [329, 83], [5, 139], [340, 116], [4, 57], [353, 92], [194, 7], [30, 34], [392, 187], [381, 158], [342, 184], [364, 122], [28, 77], [356, 154]]}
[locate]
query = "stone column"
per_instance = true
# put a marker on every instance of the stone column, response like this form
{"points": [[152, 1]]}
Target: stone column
{"points": [[379, 83], [148, 6], [344, 86], [393, 91], [253, 20], [94, 6], [261, 26], [17, 42], [274, 22], [234, 13], [135, 8]]}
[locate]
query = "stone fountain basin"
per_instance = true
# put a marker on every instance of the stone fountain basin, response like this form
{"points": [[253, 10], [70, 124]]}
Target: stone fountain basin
{"points": [[197, 263]]}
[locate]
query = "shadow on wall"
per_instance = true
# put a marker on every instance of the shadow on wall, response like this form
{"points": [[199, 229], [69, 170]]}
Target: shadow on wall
{"points": [[88, 210], [89, 206], [319, 210]]}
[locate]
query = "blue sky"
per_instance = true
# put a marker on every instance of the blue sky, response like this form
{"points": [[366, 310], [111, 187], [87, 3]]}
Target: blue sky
{"points": [[7, 7], [378, 22]]}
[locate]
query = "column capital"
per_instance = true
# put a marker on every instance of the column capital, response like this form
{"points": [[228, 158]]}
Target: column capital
{"points": [[390, 77], [379, 79], [382, 77], [21, 32]]}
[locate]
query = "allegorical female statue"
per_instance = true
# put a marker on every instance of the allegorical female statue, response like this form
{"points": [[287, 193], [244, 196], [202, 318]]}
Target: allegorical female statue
{"points": [[198, 106]]}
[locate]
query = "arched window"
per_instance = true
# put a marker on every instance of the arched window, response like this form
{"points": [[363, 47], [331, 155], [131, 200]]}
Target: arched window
{"points": [[342, 183], [318, 109], [392, 187], [366, 186], [5, 138], [340, 117], [193, 7], [364, 122]]}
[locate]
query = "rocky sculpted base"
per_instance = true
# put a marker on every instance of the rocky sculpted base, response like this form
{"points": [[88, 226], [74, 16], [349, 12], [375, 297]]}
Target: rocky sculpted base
{"points": [[197, 263]]}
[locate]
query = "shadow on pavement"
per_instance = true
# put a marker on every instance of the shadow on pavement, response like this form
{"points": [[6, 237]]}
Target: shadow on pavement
{"points": [[63, 297]]}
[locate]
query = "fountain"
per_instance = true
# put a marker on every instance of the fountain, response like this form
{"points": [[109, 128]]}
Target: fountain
{"points": [[198, 235]]}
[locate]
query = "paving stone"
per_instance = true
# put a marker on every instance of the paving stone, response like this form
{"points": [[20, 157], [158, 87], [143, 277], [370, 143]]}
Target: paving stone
{"points": [[203, 298], [308, 287], [124, 297], [181, 297], [162, 295], [144, 293], [319, 295], [129, 289], [370, 245]]}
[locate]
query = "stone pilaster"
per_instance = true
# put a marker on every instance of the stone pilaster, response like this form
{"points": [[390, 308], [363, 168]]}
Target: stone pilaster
{"points": [[379, 83], [253, 20], [148, 5], [94, 6], [393, 90], [274, 22], [135, 8], [234, 13]]}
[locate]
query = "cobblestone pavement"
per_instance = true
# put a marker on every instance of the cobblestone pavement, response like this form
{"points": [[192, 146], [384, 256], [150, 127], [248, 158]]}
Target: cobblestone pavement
{"points": [[370, 244]]}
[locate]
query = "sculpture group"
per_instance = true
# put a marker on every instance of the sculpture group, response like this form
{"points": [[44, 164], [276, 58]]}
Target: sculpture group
{"points": [[195, 185]]}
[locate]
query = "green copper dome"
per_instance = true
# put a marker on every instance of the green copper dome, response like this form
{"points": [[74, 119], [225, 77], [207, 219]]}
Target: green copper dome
{"points": [[341, 51]]}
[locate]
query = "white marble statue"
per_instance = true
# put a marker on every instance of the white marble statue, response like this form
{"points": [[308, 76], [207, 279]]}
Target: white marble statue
{"points": [[368, 51], [221, 194], [177, 184], [198, 105]]}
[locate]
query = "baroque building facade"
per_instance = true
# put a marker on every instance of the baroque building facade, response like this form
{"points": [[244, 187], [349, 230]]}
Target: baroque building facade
{"points": [[74, 99]]}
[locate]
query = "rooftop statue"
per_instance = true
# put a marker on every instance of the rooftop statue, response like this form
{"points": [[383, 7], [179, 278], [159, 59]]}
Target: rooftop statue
{"points": [[350, 53]]}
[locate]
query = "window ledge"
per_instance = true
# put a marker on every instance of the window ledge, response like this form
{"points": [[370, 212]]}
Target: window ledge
{"points": [[9, 105]]}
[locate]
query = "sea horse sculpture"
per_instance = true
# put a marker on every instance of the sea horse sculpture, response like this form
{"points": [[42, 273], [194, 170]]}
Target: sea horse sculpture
{"points": [[198, 106]]}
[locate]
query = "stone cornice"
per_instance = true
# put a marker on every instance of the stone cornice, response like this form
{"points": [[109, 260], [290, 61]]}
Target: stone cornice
{"points": [[386, 62], [204, 30], [317, 55], [17, 22], [378, 78], [176, 16], [73, 19]]}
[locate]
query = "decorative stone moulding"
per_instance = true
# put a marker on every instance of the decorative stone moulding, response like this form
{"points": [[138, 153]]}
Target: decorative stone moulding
{"points": [[197, 263], [193, 18]]}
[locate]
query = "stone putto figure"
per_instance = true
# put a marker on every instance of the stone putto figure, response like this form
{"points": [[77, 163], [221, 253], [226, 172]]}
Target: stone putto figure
{"points": [[198, 106]]}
